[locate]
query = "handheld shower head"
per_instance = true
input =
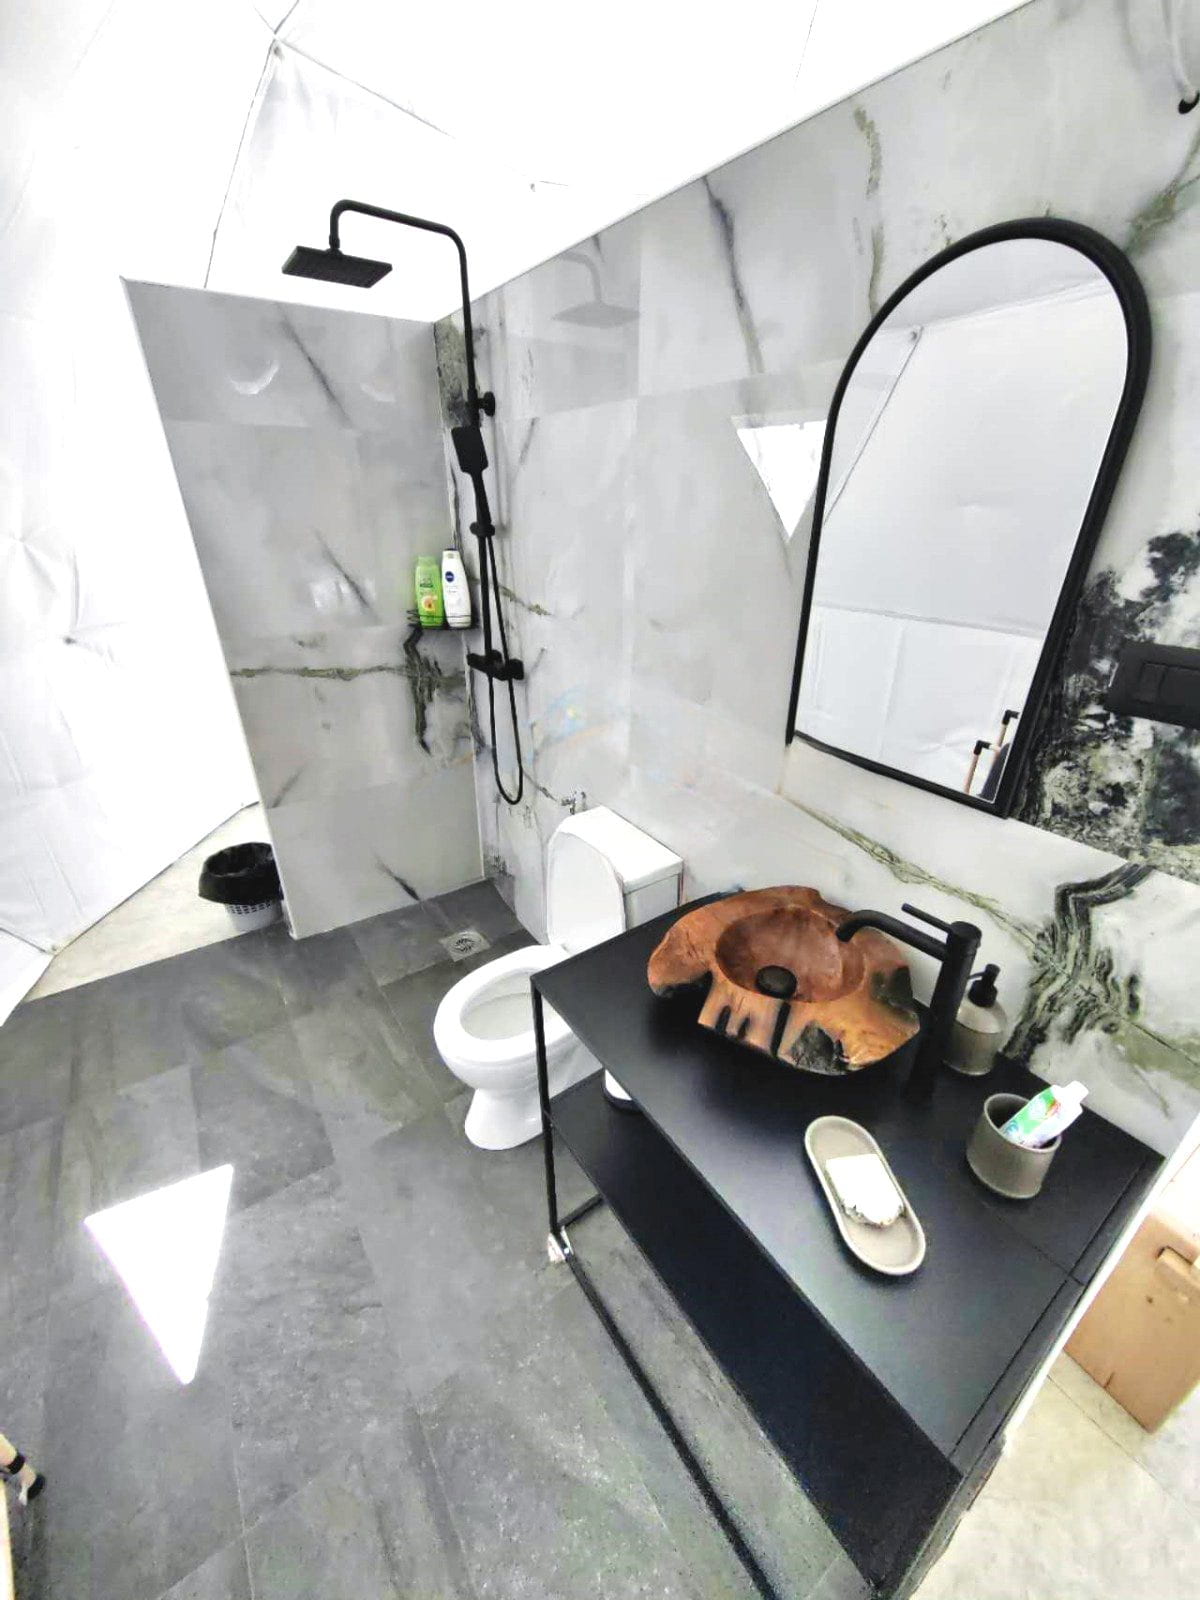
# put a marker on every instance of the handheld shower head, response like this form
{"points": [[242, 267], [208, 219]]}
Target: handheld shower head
{"points": [[334, 266]]}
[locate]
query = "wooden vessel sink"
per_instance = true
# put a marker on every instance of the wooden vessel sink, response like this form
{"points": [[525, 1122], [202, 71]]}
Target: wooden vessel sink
{"points": [[781, 982]]}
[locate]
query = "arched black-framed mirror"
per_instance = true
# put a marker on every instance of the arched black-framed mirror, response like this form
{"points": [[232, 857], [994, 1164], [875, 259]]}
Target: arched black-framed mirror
{"points": [[973, 445]]}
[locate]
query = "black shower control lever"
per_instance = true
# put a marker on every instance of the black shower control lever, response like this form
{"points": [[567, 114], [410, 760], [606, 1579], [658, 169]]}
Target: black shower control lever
{"points": [[494, 665]]}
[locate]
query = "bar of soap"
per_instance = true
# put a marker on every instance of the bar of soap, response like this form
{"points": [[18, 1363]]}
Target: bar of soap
{"points": [[865, 1189]]}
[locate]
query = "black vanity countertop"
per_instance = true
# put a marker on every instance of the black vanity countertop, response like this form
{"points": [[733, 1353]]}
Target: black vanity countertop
{"points": [[943, 1341]]}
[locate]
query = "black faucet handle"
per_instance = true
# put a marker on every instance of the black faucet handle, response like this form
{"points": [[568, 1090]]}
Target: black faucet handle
{"points": [[926, 916]]}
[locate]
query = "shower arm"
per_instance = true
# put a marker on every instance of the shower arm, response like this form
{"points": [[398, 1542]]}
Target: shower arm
{"points": [[477, 404]]}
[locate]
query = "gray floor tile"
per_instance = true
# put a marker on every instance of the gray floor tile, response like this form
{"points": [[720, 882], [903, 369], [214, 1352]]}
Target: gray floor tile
{"points": [[424, 1552], [224, 1576], [254, 1109], [324, 1542], [546, 1496], [42, 1046], [142, 1031], [29, 1168], [366, 1078], [400, 942], [711, 1562], [478, 906], [176, 1011], [170, 1013], [296, 1317], [407, 1327], [140, 1488], [229, 991], [781, 1525], [373, 1525], [314, 970], [116, 1147], [456, 1236]]}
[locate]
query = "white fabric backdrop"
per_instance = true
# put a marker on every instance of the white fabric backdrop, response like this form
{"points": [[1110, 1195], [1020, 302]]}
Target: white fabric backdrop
{"points": [[195, 145]]}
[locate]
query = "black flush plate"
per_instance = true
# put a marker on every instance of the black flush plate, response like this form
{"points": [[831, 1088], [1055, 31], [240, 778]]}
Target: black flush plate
{"points": [[1158, 681]]}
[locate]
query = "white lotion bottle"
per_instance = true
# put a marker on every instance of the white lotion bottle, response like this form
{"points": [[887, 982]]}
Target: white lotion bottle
{"points": [[980, 1028], [456, 596]]}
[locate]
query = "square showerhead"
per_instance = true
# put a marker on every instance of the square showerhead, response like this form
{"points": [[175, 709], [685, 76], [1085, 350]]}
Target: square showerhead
{"points": [[334, 266]]}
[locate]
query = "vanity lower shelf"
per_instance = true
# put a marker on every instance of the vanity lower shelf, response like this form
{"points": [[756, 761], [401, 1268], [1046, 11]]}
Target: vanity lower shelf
{"points": [[850, 1446]]}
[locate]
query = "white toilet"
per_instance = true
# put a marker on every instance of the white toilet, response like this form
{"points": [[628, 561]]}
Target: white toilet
{"points": [[602, 875]]}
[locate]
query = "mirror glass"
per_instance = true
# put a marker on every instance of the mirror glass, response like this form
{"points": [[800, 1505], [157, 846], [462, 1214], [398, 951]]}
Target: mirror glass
{"points": [[960, 465]]}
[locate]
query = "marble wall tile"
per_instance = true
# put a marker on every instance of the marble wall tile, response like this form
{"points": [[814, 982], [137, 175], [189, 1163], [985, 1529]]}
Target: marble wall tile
{"points": [[350, 708], [354, 855], [228, 358], [303, 529], [573, 323], [309, 453], [664, 697]]}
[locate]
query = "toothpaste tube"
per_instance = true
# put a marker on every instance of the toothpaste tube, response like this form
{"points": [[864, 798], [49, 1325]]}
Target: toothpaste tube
{"points": [[1044, 1117]]}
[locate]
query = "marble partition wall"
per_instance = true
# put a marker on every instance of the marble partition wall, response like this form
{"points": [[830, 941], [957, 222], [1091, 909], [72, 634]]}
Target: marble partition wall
{"points": [[308, 449], [655, 592]]}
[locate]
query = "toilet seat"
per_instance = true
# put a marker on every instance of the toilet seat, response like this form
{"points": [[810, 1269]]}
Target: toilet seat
{"points": [[458, 1041], [602, 874]]}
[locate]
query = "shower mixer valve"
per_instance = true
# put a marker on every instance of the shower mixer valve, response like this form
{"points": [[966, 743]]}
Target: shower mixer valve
{"points": [[497, 666]]}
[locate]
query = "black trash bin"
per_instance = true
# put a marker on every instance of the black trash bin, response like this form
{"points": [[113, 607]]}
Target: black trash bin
{"points": [[245, 880]]}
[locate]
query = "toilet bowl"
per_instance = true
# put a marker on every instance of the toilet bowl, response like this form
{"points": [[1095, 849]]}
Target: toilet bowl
{"points": [[602, 876], [484, 1033]]}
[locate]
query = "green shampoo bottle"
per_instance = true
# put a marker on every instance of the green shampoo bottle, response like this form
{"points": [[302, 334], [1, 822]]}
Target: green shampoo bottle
{"points": [[428, 585]]}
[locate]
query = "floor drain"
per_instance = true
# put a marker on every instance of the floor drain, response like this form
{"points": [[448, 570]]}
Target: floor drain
{"points": [[458, 946]]}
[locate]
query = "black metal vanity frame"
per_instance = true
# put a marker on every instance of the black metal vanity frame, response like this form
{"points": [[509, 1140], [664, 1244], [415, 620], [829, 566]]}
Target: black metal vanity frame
{"points": [[1127, 286], [887, 1398]]}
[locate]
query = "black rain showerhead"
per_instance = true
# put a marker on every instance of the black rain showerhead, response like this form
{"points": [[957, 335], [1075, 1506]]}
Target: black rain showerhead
{"points": [[334, 266]]}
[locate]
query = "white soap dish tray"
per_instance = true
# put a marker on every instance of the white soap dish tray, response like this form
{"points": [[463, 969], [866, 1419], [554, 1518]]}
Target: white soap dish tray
{"points": [[898, 1248]]}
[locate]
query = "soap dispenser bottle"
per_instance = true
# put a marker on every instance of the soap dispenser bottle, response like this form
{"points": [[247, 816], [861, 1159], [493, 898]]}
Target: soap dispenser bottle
{"points": [[980, 1027]]}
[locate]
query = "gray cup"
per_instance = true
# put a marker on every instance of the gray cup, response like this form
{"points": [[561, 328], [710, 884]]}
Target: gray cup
{"points": [[1009, 1169]]}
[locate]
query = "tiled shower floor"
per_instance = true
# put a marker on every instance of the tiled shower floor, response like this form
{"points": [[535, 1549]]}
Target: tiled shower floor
{"points": [[398, 1398]]}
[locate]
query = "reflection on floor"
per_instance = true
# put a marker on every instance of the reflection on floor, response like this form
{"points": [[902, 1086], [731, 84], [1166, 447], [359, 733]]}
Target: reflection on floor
{"points": [[165, 917], [397, 1396]]}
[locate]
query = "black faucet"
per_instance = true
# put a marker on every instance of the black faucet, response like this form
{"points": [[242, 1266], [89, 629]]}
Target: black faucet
{"points": [[956, 953]]}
